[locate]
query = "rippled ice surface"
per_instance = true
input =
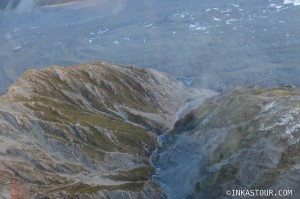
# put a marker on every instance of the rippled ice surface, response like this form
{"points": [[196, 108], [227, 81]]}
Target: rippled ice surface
{"points": [[209, 43]]}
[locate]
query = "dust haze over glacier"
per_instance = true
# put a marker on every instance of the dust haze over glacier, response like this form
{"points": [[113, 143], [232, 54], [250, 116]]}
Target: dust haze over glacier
{"points": [[209, 44]]}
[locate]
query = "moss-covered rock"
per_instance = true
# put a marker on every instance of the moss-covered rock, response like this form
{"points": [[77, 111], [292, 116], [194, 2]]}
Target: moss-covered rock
{"points": [[92, 127]]}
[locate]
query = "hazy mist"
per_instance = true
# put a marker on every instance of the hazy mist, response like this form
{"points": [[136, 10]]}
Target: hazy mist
{"points": [[210, 44]]}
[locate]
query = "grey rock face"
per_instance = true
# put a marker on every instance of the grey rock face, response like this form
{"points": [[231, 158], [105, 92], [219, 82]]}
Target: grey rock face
{"points": [[245, 139]]}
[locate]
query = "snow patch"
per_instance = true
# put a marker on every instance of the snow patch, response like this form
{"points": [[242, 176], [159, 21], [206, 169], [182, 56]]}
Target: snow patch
{"points": [[101, 32], [17, 48], [268, 107], [275, 6], [196, 26], [292, 129], [288, 121], [295, 2], [148, 25], [235, 5], [229, 21]]}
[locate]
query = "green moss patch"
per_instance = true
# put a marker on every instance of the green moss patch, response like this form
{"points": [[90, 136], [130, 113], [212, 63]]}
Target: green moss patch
{"points": [[142, 173]]}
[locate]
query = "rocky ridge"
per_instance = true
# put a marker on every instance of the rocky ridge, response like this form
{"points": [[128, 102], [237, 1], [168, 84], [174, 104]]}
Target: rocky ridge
{"points": [[85, 131], [243, 139], [88, 132]]}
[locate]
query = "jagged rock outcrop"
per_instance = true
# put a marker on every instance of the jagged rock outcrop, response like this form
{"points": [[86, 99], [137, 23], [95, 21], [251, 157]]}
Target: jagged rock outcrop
{"points": [[85, 131], [244, 139]]}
